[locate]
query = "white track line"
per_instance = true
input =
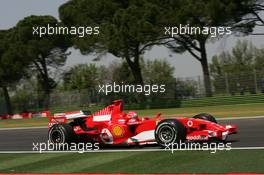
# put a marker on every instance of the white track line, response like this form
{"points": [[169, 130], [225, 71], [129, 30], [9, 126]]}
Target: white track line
{"points": [[38, 127], [240, 118], [225, 118], [92, 151], [247, 148], [123, 150]]}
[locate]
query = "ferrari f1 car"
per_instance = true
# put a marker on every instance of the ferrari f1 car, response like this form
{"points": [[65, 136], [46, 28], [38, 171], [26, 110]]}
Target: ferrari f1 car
{"points": [[113, 126]]}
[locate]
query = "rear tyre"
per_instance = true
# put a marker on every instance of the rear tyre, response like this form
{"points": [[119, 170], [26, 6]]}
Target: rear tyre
{"points": [[205, 116], [169, 132], [61, 133]]}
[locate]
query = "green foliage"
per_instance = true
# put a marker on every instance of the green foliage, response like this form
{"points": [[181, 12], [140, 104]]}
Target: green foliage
{"points": [[186, 89], [121, 73], [237, 68], [123, 25], [21, 102], [84, 76], [88, 77], [22, 52], [205, 13], [12, 62], [215, 13], [259, 60], [127, 28], [45, 54], [46, 51], [158, 72], [241, 59]]}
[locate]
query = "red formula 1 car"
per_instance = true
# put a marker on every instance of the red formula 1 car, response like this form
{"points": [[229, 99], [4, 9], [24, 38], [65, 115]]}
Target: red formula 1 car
{"points": [[112, 125]]}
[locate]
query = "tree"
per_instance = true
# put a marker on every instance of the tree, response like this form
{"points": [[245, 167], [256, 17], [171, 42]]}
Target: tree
{"points": [[3, 77], [259, 60], [86, 78], [83, 76], [237, 68], [256, 8], [200, 14], [127, 28], [12, 64], [253, 10], [158, 72], [151, 71], [47, 53], [120, 73]]}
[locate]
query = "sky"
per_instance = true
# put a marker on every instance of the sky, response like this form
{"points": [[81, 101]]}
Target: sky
{"points": [[11, 11]]}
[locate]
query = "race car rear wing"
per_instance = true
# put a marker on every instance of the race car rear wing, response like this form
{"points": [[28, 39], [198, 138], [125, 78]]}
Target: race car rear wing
{"points": [[59, 118], [108, 112], [104, 114]]}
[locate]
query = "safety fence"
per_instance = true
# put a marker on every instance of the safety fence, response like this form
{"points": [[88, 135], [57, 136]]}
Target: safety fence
{"points": [[227, 89], [25, 115]]}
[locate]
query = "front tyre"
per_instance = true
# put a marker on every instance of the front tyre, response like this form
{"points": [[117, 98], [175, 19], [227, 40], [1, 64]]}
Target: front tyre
{"points": [[61, 133], [170, 131]]}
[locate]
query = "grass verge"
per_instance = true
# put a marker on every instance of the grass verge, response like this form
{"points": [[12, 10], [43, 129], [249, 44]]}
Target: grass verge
{"points": [[234, 161], [33, 122], [241, 110]]}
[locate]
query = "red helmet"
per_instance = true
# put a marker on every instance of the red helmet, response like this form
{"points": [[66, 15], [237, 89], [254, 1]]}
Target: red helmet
{"points": [[132, 115]]}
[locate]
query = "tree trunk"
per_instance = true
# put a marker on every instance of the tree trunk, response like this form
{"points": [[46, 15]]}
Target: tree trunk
{"points": [[205, 68], [137, 74], [43, 95], [44, 81], [46, 100], [7, 101], [135, 69]]}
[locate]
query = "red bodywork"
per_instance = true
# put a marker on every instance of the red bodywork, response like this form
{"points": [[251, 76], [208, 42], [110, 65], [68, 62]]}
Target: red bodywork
{"points": [[112, 125]]}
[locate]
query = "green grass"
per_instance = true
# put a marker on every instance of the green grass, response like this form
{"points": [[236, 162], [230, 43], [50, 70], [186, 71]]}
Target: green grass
{"points": [[223, 100], [171, 103], [199, 102], [242, 110], [33, 122], [235, 161]]}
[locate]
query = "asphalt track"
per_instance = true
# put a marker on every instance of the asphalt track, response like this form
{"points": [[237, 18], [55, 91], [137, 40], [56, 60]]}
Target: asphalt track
{"points": [[250, 134]]}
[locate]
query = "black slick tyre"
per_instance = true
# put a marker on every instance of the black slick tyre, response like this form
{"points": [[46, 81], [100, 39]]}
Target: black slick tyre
{"points": [[61, 133], [170, 131]]}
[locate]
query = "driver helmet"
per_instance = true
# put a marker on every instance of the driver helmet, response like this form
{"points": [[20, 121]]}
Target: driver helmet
{"points": [[132, 115]]}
